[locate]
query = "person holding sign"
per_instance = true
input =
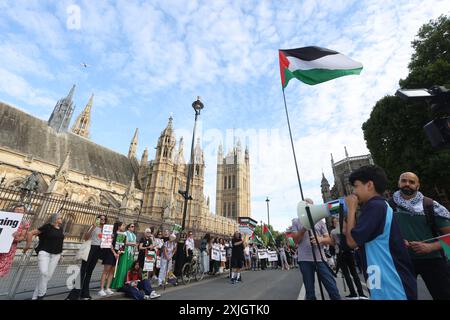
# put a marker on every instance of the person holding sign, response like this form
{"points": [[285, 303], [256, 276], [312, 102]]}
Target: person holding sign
{"points": [[168, 251], [110, 258], [237, 257], [127, 259], [6, 259], [94, 234], [146, 243], [51, 239], [134, 284]]}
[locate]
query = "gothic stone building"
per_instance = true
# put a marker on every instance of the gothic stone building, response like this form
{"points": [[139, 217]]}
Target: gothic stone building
{"points": [[341, 172], [68, 162], [233, 183]]}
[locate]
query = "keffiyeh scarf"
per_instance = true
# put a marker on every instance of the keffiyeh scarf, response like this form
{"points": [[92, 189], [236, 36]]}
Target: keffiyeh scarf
{"points": [[414, 206]]}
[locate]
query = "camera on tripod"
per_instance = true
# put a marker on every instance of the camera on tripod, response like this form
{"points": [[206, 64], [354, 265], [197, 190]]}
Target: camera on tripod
{"points": [[438, 98]]}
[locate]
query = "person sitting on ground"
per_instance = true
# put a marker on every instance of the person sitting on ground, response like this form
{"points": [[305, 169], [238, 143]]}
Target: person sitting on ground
{"points": [[134, 284]]}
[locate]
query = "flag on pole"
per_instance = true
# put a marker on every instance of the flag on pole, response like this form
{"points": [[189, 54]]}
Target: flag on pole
{"points": [[255, 239], [266, 230], [314, 65]]}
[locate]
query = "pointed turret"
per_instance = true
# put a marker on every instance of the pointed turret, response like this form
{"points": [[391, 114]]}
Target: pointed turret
{"points": [[198, 153], [133, 145], [180, 155], [325, 189], [166, 143], [346, 153], [220, 153], [62, 113], [82, 124], [144, 158]]}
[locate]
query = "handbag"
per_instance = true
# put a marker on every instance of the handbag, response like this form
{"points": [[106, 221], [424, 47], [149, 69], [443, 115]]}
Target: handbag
{"points": [[83, 252]]}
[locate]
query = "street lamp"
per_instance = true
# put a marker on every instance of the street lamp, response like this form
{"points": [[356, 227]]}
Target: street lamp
{"points": [[197, 105], [268, 220]]}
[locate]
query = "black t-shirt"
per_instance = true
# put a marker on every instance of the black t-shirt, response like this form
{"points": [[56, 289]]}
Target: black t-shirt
{"points": [[145, 243], [238, 250], [51, 239]]}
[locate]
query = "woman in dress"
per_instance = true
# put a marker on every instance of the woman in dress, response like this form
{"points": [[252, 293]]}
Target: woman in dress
{"points": [[6, 259], [126, 260]]}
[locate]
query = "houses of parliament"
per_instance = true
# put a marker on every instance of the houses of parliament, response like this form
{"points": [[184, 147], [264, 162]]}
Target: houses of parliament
{"points": [[67, 162]]}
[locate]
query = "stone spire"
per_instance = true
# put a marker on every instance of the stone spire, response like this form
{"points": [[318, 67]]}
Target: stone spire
{"points": [[133, 145], [82, 124], [198, 153], [144, 158], [325, 189], [62, 113], [166, 143], [180, 155], [346, 153], [220, 153]]}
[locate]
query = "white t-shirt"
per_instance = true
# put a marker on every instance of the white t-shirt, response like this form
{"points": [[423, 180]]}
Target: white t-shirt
{"points": [[190, 244], [247, 251]]}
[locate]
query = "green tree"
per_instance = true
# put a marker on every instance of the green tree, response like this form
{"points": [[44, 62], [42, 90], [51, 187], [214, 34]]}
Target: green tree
{"points": [[394, 131]]}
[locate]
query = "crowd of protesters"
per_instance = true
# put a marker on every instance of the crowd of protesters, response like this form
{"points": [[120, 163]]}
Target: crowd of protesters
{"points": [[392, 234]]}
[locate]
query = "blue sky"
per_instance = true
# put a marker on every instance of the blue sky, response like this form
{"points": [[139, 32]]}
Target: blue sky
{"points": [[150, 59]]}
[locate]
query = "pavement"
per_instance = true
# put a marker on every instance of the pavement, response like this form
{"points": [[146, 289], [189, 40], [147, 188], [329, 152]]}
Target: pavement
{"points": [[269, 284]]}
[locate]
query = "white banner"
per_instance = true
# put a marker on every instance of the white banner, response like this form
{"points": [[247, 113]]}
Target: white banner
{"points": [[107, 236], [273, 256], [159, 243], [9, 223], [149, 262], [215, 254], [262, 254], [223, 256]]}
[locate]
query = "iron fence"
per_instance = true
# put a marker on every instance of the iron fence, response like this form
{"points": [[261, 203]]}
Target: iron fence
{"points": [[77, 217]]}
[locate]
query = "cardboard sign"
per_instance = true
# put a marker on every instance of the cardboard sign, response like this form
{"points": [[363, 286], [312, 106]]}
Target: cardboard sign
{"points": [[215, 254], [9, 223], [262, 254], [149, 261], [176, 228], [120, 241], [158, 243], [273, 256], [107, 236], [223, 256]]}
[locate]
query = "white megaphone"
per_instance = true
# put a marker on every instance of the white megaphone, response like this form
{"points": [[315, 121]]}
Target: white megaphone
{"points": [[318, 212]]}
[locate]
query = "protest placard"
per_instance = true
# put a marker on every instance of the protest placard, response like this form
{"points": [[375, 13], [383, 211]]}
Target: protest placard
{"points": [[107, 236], [9, 223]]}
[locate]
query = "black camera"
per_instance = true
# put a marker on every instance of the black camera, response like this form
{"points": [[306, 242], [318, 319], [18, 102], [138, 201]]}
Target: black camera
{"points": [[438, 98]]}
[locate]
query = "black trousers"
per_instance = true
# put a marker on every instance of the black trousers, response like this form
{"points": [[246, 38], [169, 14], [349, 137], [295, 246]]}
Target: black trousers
{"points": [[87, 267], [346, 261], [436, 275]]}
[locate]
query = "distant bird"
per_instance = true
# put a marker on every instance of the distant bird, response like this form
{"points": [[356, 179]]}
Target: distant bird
{"points": [[85, 65]]}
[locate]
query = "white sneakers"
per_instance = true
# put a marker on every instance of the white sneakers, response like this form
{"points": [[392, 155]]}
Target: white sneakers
{"points": [[109, 292], [104, 293], [152, 295]]}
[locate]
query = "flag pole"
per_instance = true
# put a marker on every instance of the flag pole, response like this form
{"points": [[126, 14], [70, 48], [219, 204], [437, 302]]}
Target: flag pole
{"points": [[293, 149], [303, 199]]}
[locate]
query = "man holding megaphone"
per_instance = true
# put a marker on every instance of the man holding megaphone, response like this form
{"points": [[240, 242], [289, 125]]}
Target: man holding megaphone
{"points": [[306, 257]]}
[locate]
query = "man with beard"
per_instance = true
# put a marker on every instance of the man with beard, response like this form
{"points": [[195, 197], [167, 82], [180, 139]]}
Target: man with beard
{"points": [[422, 218]]}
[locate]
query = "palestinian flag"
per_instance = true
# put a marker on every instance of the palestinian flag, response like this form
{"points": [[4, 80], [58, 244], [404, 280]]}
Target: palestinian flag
{"points": [[266, 230], [313, 65], [445, 243]]}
